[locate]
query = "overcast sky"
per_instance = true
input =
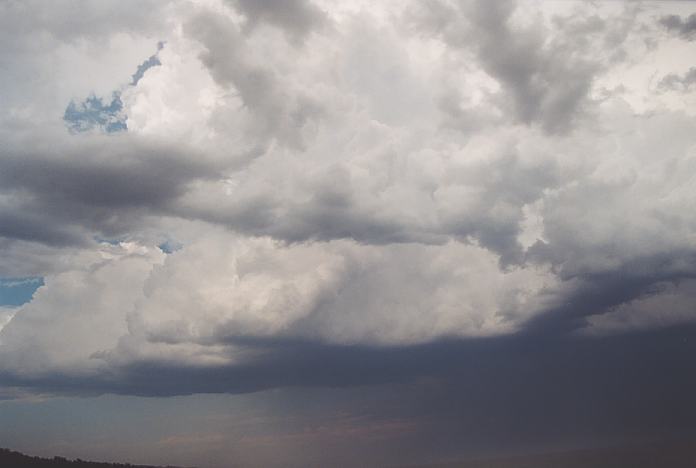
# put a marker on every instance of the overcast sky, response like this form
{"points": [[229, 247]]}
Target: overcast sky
{"points": [[320, 233]]}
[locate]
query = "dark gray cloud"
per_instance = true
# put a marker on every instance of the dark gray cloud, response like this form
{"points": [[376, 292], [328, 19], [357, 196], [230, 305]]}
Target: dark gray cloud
{"points": [[681, 27], [463, 396], [20, 224], [598, 293], [63, 191]]}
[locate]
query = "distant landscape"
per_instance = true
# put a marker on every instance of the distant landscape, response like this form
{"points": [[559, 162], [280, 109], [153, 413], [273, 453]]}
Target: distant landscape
{"points": [[12, 459], [653, 455]]}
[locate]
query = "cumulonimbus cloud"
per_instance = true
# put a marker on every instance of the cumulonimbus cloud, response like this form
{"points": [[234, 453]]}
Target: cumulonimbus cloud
{"points": [[343, 177]]}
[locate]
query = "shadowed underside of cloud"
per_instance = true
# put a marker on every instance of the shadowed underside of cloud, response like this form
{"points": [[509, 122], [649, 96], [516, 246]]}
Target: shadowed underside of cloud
{"points": [[457, 396], [638, 385], [63, 192]]}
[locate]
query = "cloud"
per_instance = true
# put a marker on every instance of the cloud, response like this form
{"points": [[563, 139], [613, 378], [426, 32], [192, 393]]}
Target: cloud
{"points": [[296, 17], [681, 83], [545, 68], [92, 113], [275, 109], [68, 21], [6, 314], [199, 306], [339, 181], [152, 61], [684, 28], [52, 334], [665, 304], [60, 190]]}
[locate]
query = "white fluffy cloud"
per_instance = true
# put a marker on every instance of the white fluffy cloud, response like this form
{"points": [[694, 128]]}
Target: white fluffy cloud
{"points": [[77, 312], [371, 175], [130, 303]]}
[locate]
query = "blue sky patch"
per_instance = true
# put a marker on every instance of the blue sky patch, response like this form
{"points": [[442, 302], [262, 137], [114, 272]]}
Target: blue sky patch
{"points": [[103, 240], [170, 246], [17, 291], [95, 113]]}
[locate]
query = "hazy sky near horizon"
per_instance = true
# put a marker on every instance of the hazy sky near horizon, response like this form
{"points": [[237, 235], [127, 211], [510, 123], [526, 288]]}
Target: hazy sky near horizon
{"points": [[314, 232]]}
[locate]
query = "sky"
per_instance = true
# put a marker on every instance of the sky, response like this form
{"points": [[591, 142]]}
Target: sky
{"points": [[319, 233]]}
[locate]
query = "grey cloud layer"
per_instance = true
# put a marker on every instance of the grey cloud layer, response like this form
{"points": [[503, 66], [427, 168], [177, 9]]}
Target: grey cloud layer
{"points": [[63, 190], [340, 177]]}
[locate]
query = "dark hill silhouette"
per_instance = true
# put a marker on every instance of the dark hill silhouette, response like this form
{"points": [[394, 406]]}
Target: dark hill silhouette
{"points": [[11, 459]]}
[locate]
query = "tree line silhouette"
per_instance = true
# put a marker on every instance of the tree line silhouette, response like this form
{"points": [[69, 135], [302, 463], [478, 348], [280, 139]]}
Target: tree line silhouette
{"points": [[12, 459]]}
